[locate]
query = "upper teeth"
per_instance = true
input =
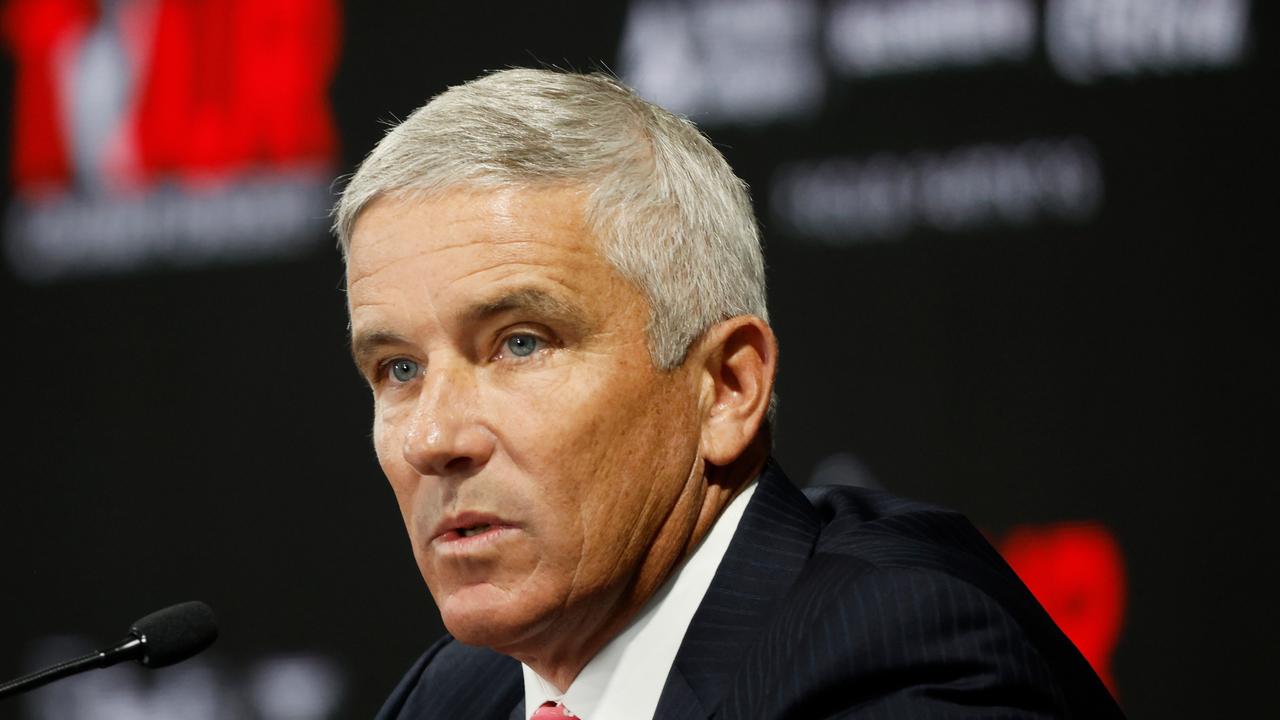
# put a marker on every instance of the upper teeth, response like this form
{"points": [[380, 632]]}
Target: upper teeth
{"points": [[468, 532]]}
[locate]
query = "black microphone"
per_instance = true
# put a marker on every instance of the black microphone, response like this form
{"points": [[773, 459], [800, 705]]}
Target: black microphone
{"points": [[162, 638]]}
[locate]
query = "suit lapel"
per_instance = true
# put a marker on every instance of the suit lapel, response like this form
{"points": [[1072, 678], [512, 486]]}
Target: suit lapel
{"points": [[774, 539]]}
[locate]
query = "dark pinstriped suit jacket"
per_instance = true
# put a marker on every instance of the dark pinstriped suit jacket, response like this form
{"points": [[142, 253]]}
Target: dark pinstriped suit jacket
{"points": [[848, 603]]}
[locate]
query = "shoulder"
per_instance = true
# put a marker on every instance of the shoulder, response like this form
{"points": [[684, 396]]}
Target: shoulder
{"points": [[867, 531], [455, 680], [906, 607]]}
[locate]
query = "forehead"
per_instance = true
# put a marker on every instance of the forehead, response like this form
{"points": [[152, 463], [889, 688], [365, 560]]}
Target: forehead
{"points": [[446, 252], [465, 224]]}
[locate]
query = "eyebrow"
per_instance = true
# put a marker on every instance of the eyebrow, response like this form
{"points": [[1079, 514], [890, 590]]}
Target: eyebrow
{"points": [[536, 302], [367, 344]]}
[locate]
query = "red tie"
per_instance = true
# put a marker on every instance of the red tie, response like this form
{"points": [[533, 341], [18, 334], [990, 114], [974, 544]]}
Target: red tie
{"points": [[552, 711]]}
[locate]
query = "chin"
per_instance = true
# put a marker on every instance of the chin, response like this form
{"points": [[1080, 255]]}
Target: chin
{"points": [[488, 616]]}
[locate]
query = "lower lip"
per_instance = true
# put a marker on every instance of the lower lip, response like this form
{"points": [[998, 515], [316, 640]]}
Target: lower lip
{"points": [[455, 542]]}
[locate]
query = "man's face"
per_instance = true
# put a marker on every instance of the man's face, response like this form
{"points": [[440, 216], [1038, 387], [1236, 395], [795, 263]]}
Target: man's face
{"points": [[542, 464]]}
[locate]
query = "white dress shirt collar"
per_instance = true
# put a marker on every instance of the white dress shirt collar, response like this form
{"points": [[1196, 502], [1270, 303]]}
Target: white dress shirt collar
{"points": [[625, 679]]}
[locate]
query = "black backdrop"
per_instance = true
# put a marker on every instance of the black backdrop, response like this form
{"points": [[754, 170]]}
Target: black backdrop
{"points": [[199, 433]]}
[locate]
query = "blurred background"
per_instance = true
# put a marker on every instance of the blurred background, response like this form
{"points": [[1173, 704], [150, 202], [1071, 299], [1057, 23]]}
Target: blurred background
{"points": [[1016, 264]]}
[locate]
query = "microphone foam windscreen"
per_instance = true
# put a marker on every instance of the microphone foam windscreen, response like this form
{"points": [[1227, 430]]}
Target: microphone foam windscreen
{"points": [[175, 633]]}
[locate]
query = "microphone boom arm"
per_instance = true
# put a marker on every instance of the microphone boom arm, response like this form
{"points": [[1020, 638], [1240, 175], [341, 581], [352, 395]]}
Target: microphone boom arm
{"points": [[128, 648]]}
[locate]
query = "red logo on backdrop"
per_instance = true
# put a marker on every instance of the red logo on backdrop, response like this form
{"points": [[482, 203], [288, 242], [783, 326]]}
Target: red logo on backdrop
{"points": [[1077, 572], [168, 129]]}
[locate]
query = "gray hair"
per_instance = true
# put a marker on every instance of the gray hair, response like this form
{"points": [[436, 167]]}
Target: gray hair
{"points": [[667, 209]]}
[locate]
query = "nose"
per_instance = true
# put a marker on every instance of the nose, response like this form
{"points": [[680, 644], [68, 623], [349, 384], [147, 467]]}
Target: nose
{"points": [[445, 436]]}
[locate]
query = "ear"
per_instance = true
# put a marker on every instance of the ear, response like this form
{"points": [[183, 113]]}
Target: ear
{"points": [[738, 358]]}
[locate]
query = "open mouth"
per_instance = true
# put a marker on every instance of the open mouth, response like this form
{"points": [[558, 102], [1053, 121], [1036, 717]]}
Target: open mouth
{"points": [[474, 530], [477, 527]]}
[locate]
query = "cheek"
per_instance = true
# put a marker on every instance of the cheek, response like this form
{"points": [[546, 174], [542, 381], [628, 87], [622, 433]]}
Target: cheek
{"points": [[383, 442], [558, 429], [388, 444], [543, 416], [600, 447]]}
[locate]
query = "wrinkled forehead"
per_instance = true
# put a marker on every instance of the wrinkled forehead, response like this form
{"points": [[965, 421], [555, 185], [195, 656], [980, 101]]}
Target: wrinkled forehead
{"points": [[571, 195], [452, 251], [477, 217]]}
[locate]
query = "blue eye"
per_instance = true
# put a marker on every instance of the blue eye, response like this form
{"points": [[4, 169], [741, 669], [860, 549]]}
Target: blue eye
{"points": [[403, 370], [522, 345]]}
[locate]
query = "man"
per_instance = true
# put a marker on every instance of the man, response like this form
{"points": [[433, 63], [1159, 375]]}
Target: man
{"points": [[557, 297]]}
